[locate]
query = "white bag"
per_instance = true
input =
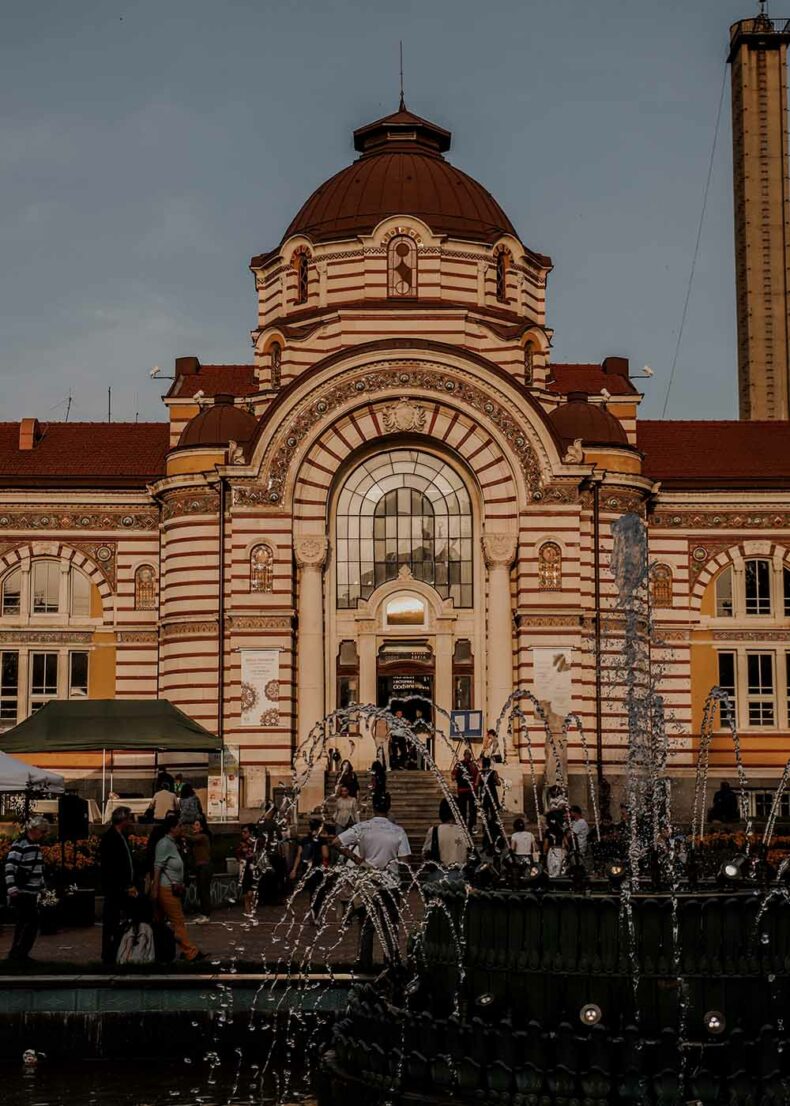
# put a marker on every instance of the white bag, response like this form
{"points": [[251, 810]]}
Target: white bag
{"points": [[137, 945]]}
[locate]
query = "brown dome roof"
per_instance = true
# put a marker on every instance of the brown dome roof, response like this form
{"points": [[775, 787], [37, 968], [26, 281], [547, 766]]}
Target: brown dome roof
{"points": [[594, 425], [401, 172], [218, 424]]}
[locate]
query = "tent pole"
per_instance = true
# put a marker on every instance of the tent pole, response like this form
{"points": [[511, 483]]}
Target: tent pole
{"points": [[103, 780], [224, 785]]}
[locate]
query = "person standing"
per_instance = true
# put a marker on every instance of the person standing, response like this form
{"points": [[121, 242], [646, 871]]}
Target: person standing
{"points": [[488, 797], [164, 802], [380, 844], [199, 844], [580, 833], [24, 882], [555, 843], [168, 886], [346, 812], [189, 808], [348, 779], [378, 780], [446, 845], [117, 878], [466, 775]]}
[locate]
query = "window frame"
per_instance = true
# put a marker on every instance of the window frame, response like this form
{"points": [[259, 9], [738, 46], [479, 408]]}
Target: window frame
{"points": [[413, 258]]}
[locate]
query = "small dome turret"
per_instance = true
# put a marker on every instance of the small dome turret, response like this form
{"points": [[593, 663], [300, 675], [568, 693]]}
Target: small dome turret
{"points": [[217, 425], [578, 419]]}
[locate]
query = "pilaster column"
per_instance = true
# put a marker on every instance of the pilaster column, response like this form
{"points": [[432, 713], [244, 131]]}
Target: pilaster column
{"points": [[499, 551], [310, 553]]}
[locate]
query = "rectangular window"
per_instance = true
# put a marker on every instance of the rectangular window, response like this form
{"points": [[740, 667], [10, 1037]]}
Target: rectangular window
{"points": [[12, 587], [758, 587], [724, 608], [762, 801], [78, 675], [760, 688], [43, 679], [9, 686], [46, 587], [727, 683]]}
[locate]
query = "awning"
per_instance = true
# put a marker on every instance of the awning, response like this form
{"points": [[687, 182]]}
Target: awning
{"points": [[15, 775], [133, 725]]}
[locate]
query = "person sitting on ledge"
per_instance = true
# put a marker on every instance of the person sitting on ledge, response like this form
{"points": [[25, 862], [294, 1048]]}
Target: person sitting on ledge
{"points": [[725, 805]]}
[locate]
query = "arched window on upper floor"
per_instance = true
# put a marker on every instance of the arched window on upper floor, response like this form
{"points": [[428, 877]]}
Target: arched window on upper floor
{"points": [[502, 266], [661, 586], [53, 588], [262, 568], [402, 267], [302, 265], [529, 363], [145, 588], [275, 364], [550, 567]]}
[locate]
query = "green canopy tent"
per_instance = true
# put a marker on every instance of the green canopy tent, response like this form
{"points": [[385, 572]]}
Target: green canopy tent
{"points": [[98, 725]]}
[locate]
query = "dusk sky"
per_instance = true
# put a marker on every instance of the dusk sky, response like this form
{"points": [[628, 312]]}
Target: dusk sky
{"points": [[149, 149]]}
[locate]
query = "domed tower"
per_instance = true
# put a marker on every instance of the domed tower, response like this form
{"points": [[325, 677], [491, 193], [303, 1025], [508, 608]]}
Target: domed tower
{"points": [[398, 239]]}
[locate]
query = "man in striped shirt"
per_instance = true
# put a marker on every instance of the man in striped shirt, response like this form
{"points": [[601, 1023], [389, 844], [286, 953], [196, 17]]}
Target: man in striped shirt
{"points": [[24, 881]]}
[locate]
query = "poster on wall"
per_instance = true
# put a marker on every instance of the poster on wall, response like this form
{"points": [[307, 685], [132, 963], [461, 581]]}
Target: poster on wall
{"points": [[260, 687], [552, 679], [222, 799]]}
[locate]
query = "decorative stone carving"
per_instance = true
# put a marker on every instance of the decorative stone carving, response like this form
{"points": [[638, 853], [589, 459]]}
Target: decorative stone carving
{"points": [[188, 629], [386, 377], [235, 453], [772, 518], [258, 622], [75, 518], [499, 549], [404, 416], [46, 637], [190, 503], [574, 454], [136, 637], [311, 551], [405, 573], [751, 635]]}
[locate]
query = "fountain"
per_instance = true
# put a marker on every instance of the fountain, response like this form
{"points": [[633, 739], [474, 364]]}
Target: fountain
{"points": [[639, 978]]}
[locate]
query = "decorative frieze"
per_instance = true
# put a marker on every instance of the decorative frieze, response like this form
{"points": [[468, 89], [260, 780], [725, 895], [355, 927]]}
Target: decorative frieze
{"points": [[188, 629], [238, 622], [770, 519], [190, 503], [75, 518], [528, 621], [46, 637], [751, 635], [137, 637]]}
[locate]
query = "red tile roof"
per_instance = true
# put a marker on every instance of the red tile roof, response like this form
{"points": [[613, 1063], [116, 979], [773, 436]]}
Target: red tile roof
{"points": [[588, 378], [716, 454], [98, 454], [237, 380]]}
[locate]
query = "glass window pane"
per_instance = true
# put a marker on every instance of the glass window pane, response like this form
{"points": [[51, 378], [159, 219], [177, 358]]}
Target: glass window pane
{"points": [[12, 586], [46, 587], [80, 594], [78, 674], [9, 686], [758, 587], [724, 607]]}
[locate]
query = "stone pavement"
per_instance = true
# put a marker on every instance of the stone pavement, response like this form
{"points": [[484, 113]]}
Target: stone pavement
{"points": [[230, 939]]}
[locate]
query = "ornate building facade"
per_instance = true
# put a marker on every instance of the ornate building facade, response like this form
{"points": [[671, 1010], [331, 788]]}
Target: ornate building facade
{"points": [[402, 494]]}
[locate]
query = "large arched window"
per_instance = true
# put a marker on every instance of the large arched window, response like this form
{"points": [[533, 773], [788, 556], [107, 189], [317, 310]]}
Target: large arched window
{"points": [[404, 510], [402, 267]]}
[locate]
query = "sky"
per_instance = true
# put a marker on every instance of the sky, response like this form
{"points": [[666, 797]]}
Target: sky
{"points": [[148, 149]]}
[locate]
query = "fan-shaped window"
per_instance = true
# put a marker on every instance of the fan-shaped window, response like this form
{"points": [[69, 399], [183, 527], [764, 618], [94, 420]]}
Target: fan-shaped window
{"points": [[402, 267], [262, 568], [12, 592], [550, 567], [275, 363], [404, 513], [502, 265], [145, 589], [405, 610], [661, 586], [302, 263]]}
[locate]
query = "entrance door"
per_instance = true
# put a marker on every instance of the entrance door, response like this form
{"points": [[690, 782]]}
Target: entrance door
{"points": [[410, 692]]}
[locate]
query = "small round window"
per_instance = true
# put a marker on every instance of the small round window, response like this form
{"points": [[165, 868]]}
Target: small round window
{"points": [[405, 610]]}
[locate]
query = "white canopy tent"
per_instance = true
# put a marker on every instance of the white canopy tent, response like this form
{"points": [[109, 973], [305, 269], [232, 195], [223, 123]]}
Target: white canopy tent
{"points": [[17, 776]]}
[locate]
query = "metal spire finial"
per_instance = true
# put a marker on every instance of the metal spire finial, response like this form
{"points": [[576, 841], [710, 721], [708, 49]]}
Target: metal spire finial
{"points": [[402, 106]]}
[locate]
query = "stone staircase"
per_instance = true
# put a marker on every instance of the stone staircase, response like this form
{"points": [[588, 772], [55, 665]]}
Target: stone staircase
{"points": [[415, 803]]}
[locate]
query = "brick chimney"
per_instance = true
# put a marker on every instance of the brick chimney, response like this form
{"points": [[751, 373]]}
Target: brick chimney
{"points": [[29, 434]]}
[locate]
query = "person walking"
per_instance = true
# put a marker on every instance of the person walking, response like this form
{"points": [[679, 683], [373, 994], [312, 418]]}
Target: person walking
{"points": [[24, 882], [117, 878], [378, 780], [348, 779], [168, 886], [446, 845], [522, 840], [466, 775], [379, 844], [245, 854], [346, 812], [199, 844]]}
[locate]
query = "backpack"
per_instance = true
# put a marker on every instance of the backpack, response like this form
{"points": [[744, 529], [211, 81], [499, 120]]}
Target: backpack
{"points": [[137, 945]]}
